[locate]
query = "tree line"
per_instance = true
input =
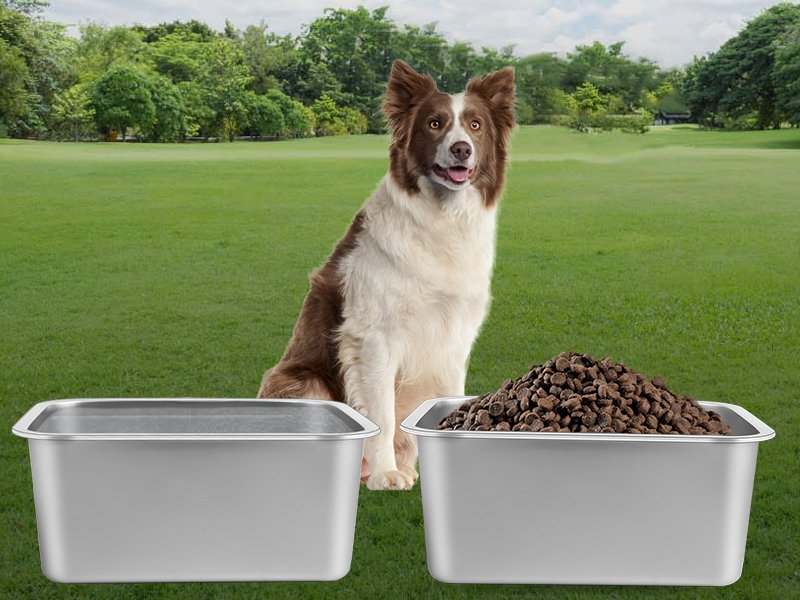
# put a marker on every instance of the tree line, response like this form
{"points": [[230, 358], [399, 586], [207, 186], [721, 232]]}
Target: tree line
{"points": [[181, 80]]}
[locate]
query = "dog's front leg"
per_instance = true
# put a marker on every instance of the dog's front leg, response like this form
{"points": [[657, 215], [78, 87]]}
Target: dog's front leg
{"points": [[369, 380]]}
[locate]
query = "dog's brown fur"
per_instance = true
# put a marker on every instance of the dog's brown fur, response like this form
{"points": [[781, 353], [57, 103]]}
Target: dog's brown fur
{"points": [[412, 100], [309, 367]]}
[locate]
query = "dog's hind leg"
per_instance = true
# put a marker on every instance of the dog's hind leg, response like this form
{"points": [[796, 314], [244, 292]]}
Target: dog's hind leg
{"points": [[278, 384]]}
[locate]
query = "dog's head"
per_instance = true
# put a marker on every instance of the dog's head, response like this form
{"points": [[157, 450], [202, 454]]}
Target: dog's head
{"points": [[455, 141]]}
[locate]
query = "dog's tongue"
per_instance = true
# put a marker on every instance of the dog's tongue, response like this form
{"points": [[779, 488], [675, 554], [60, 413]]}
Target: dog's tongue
{"points": [[458, 175]]}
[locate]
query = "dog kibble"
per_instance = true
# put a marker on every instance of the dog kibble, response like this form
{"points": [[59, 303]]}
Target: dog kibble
{"points": [[573, 392]]}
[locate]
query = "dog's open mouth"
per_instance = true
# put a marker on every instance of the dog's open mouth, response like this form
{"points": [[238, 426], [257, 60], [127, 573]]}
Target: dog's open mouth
{"points": [[457, 175]]}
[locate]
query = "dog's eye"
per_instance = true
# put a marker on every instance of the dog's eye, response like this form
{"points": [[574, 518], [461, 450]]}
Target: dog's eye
{"points": [[475, 125], [435, 124]]}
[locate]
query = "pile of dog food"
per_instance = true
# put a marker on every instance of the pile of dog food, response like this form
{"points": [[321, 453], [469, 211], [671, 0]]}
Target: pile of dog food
{"points": [[573, 392]]}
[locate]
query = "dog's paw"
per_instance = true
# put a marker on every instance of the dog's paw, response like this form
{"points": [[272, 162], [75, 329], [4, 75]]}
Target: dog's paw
{"points": [[410, 471], [390, 480]]}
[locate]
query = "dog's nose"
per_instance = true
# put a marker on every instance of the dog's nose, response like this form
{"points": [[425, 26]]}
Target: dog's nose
{"points": [[461, 150]]}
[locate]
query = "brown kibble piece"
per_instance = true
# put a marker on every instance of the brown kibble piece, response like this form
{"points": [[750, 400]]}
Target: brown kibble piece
{"points": [[548, 403]]}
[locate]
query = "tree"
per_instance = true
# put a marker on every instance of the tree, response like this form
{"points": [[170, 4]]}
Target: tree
{"points": [[185, 30], [48, 57], [199, 116], [177, 55], [264, 116], [271, 58], [354, 46], [169, 124], [786, 75], [460, 66], [737, 82], [328, 117], [611, 72], [27, 7], [538, 85], [13, 73], [422, 47], [101, 48], [224, 78], [72, 113], [589, 99], [121, 98], [298, 120]]}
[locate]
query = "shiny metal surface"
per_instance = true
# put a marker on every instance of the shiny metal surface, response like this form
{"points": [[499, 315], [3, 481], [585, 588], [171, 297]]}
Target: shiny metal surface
{"points": [[525, 507], [195, 490]]}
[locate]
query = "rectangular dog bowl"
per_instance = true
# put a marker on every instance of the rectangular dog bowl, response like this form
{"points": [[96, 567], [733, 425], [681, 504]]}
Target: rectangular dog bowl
{"points": [[195, 489], [585, 508]]}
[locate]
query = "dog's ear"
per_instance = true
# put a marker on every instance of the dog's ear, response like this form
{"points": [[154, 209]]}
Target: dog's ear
{"points": [[405, 89], [497, 90]]}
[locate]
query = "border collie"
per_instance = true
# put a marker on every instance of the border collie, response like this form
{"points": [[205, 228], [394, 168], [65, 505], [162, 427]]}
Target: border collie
{"points": [[391, 317]]}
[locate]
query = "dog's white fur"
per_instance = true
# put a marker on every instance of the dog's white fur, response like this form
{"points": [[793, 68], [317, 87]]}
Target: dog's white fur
{"points": [[416, 290]]}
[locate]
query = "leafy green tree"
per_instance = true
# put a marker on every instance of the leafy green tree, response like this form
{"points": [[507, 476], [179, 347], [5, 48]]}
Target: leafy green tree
{"points": [[328, 117], [354, 46], [101, 48], [786, 75], [538, 85], [72, 114], [27, 7], [225, 78], [588, 98], [737, 82], [354, 121], [48, 57], [193, 29], [121, 99], [264, 116], [298, 120], [611, 72], [169, 124], [589, 102], [422, 47], [177, 55], [271, 58], [461, 64], [199, 116], [13, 73]]}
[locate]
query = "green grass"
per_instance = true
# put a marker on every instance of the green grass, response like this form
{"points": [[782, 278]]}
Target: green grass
{"points": [[159, 270]]}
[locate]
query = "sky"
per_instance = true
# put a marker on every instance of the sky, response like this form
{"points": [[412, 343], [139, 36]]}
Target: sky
{"points": [[669, 32]]}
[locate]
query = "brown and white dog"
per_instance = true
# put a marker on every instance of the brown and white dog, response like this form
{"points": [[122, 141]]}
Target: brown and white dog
{"points": [[391, 316]]}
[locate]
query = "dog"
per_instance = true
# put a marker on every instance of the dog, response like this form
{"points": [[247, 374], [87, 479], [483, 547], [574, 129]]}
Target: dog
{"points": [[391, 317]]}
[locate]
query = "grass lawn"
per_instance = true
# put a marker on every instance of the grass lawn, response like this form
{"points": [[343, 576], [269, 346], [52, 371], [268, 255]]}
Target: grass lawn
{"points": [[179, 270]]}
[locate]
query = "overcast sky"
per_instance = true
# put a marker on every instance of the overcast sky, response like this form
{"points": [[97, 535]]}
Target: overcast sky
{"points": [[670, 32]]}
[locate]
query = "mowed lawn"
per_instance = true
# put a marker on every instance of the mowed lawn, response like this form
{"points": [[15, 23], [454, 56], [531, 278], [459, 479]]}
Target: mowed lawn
{"points": [[178, 270]]}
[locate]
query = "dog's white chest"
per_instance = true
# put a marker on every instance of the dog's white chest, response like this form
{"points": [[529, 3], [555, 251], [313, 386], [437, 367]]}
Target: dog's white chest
{"points": [[421, 272]]}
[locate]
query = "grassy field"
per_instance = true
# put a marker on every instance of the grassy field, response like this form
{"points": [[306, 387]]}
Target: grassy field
{"points": [[179, 270]]}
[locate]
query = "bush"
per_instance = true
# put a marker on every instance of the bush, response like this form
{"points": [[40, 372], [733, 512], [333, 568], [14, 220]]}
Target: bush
{"points": [[748, 122], [264, 116], [638, 122], [298, 120], [334, 120], [354, 121]]}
